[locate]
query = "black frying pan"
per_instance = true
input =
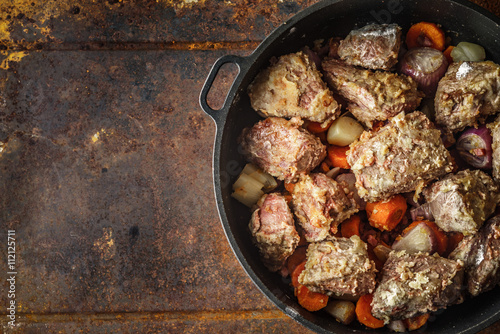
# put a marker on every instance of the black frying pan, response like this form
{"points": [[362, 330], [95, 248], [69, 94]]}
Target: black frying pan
{"points": [[462, 21]]}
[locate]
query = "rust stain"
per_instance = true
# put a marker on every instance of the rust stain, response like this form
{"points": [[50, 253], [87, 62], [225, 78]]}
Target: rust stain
{"points": [[105, 245], [11, 56]]}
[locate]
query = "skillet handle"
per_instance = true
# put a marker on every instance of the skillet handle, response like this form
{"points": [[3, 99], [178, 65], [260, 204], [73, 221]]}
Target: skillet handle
{"points": [[216, 114]]}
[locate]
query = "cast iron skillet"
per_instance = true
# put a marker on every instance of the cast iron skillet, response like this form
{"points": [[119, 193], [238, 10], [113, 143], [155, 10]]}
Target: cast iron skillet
{"points": [[462, 21]]}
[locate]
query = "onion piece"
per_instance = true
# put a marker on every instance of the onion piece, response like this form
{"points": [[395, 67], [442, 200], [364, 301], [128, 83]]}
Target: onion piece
{"points": [[423, 212], [474, 146], [247, 190], [426, 66], [397, 326], [466, 51], [344, 131], [349, 180], [265, 178], [342, 310], [420, 238]]}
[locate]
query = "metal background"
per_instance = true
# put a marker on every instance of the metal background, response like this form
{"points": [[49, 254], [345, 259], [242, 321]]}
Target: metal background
{"points": [[105, 162]]}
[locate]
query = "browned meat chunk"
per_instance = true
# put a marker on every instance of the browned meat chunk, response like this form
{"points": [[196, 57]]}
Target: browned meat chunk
{"points": [[293, 87], [467, 94], [461, 202], [495, 145], [372, 96], [320, 204], [403, 156], [339, 266], [273, 231], [282, 148], [374, 46], [416, 284], [481, 256]]}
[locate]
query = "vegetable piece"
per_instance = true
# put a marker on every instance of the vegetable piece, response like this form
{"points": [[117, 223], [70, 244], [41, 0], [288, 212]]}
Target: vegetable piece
{"points": [[265, 178], [454, 239], [426, 66], [416, 322], [364, 312], [332, 173], [441, 237], [316, 127], [397, 326], [293, 261], [350, 227], [342, 310], [311, 301], [296, 273], [349, 180], [474, 146], [289, 187], [338, 156], [466, 51], [447, 53], [423, 212], [425, 34], [386, 215], [418, 237], [381, 252], [344, 131], [247, 190]]}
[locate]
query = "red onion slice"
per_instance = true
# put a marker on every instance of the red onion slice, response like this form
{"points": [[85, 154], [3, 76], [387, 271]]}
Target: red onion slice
{"points": [[474, 146], [426, 66]]}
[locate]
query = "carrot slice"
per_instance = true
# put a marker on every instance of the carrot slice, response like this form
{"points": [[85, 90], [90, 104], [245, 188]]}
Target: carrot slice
{"points": [[311, 301], [386, 215], [350, 227], [425, 34], [364, 312], [296, 273], [447, 54], [289, 187], [316, 127], [416, 322], [298, 256], [453, 241], [338, 156]]}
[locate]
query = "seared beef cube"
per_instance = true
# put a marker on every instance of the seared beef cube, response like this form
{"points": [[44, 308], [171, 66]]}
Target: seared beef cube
{"points": [[467, 94], [400, 157], [339, 266], [321, 204], [282, 148], [481, 256], [273, 230], [372, 96], [495, 145], [461, 202], [374, 46], [293, 87], [416, 284]]}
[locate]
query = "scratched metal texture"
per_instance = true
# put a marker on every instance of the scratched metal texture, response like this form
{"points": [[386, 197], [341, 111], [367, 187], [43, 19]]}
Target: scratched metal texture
{"points": [[105, 162]]}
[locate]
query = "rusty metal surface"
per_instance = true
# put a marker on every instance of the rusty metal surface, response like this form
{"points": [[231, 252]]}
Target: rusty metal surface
{"points": [[105, 162]]}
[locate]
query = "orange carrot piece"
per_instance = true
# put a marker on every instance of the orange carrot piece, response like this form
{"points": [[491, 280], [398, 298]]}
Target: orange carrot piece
{"points": [[425, 34], [298, 256], [447, 54], [350, 227], [454, 239], [316, 127], [416, 322], [311, 301], [338, 156], [289, 187], [386, 215], [364, 312], [324, 167], [296, 273]]}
